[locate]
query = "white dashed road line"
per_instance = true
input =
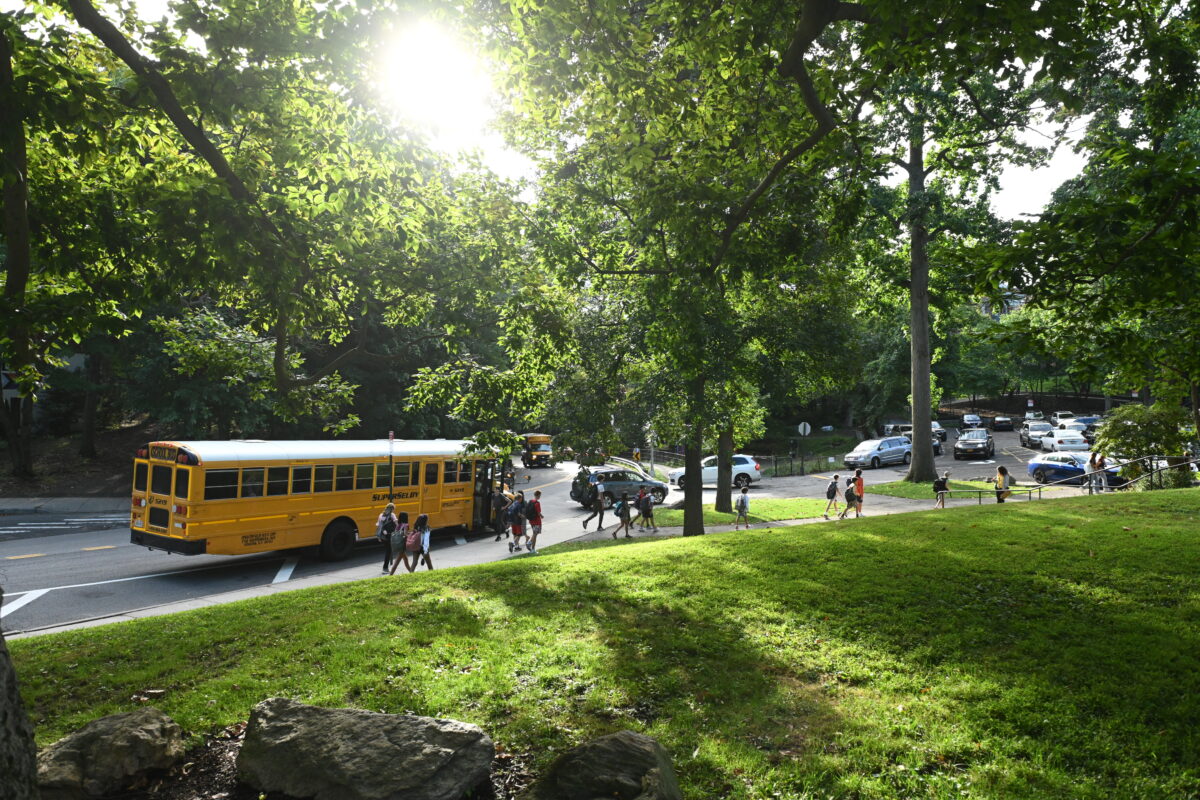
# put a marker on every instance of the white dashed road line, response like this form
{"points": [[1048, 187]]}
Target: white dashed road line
{"points": [[285, 570]]}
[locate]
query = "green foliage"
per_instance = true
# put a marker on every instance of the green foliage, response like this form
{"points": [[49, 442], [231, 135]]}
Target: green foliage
{"points": [[1135, 431], [213, 377], [963, 645]]}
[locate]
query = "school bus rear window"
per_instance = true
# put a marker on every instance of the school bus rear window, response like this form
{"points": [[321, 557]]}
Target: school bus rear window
{"points": [[139, 477], [182, 478], [160, 479]]}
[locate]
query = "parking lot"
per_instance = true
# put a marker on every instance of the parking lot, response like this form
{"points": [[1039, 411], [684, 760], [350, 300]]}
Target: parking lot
{"points": [[1009, 453]]}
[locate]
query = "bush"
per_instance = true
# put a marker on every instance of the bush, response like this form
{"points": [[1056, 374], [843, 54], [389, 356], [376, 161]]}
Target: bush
{"points": [[1136, 431]]}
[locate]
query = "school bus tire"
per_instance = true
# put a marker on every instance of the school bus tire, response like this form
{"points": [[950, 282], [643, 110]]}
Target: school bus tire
{"points": [[337, 543]]}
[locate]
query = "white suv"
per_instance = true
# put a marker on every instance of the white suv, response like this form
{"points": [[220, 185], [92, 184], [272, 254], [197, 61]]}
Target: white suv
{"points": [[745, 472]]}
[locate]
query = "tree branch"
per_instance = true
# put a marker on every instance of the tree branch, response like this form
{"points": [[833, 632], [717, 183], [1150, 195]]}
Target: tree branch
{"points": [[91, 19]]}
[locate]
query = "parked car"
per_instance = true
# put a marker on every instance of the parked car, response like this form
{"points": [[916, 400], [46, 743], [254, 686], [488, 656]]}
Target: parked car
{"points": [[938, 430], [972, 421], [1056, 440], [1061, 416], [875, 453], [1032, 432], [745, 472], [937, 443], [1034, 415], [1052, 467], [1071, 425], [618, 481], [1090, 426], [974, 443], [1002, 423]]}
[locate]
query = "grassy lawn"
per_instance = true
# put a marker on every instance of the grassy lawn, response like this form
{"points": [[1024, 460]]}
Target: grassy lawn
{"points": [[924, 491], [761, 510], [1033, 650]]}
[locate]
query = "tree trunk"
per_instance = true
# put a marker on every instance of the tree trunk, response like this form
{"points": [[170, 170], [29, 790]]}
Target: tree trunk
{"points": [[1195, 396], [725, 470], [17, 265], [18, 754], [693, 489], [91, 401], [922, 469]]}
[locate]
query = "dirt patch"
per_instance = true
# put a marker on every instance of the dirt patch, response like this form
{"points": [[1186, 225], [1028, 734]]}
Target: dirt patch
{"points": [[61, 472]]}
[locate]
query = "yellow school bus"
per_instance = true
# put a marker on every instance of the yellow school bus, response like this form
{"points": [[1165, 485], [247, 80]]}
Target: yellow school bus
{"points": [[248, 496]]}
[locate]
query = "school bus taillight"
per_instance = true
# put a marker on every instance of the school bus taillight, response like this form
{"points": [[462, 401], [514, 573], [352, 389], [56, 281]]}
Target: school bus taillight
{"points": [[139, 502], [180, 510]]}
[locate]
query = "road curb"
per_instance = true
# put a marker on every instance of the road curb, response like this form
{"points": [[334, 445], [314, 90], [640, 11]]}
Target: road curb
{"points": [[62, 505]]}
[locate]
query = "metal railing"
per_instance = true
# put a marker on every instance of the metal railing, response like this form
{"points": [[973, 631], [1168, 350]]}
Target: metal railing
{"points": [[1083, 481]]}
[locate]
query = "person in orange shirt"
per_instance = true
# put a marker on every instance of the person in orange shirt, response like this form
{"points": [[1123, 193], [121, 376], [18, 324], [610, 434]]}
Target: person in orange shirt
{"points": [[858, 492]]}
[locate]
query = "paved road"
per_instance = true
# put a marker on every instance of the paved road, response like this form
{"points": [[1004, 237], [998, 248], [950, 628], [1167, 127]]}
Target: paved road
{"points": [[64, 568]]}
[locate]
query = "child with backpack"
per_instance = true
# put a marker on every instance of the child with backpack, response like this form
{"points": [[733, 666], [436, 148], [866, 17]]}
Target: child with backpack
{"points": [[516, 518], [595, 497], [742, 507], [647, 509], [851, 498], [621, 509], [533, 511], [416, 544], [831, 496], [941, 487], [384, 529], [400, 539]]}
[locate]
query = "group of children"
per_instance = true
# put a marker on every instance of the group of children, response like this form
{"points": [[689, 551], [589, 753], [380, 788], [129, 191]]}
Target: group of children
{"points": [[401, 542], [513, 514], [853, 494], [623, 509]]}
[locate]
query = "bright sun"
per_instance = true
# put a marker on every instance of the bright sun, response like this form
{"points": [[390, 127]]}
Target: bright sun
{"points": [[431, 80]]}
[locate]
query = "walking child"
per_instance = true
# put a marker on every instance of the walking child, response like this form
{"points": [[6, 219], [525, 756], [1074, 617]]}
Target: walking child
{"points": [[648, 512], [596, 499], [1003, 484], [533, 512], [515, 514], [384, 528], [621, 509], [742, 507], [416, 544], [850, 498], [831, 496], [399, 538], [859, 490]]}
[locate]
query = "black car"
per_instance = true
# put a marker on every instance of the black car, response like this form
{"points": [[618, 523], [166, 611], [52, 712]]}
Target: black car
{"points": [[1002, 423], [974, 443], [1032, 432]]}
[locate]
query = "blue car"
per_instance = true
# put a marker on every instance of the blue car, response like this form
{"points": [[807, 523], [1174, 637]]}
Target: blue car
{"points": [[1053, 467]]}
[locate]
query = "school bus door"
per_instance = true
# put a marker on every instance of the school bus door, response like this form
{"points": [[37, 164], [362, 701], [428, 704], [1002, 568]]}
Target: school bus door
{"points": [[481, 508], [431, 491]]}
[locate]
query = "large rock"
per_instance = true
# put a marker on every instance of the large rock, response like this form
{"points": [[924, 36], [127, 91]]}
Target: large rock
{"points": [[345, 754], [102, 756], [620, 766]]}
